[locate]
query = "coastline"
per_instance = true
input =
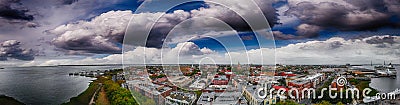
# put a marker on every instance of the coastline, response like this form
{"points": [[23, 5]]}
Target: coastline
{"points": [[104, 90], [85, 96]]}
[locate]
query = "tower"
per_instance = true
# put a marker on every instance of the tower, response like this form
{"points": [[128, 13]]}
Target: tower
{"points": [[239, 66]]}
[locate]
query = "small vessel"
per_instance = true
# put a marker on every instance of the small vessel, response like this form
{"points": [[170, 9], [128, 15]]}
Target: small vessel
{"points": [[386, 70], [82, 73]]}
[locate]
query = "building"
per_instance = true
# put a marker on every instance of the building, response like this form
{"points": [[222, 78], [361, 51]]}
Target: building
{"points": [[289, 74], [335, 85], [307, 82], [153, 91], [226, 98], [180, 98], [198, 84], [181, 80], [220, 80], [316, 79], [251, 94], [300, 83]]}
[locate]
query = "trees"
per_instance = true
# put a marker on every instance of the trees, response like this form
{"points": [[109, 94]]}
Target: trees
{"points": [[118, 95]]}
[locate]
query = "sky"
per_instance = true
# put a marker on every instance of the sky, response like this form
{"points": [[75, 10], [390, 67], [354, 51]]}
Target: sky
{"points": [[75, 32]]}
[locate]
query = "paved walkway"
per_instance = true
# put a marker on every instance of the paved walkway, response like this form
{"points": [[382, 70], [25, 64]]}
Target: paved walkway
{"points": [[97, 90]]}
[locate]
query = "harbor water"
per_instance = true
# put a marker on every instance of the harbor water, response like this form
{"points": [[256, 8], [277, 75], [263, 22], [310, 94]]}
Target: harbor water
{"points": [[44, 85], [386, 84]]}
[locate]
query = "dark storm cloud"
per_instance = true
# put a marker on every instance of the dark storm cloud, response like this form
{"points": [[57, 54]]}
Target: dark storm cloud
{"points": [[352, 15], [332, 15], [23, 12], [227, 15], [12, 49], [68, 1], [378, 5], [393, 6], [12, 10], [87, 44]]}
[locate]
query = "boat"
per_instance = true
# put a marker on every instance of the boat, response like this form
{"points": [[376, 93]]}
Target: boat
{"points": [[386, 70]]}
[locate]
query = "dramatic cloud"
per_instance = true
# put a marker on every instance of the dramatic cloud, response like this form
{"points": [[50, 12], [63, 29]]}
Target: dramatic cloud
{"points": [[104, 32], [303, 31], [12, 49], [307, 31], [344, 15], [222, 13], [13, 13], [100, 35], [340, 51], [189, 48], [68, 1], [233, 19], [393, 6], [335, 50], [9, 10]]}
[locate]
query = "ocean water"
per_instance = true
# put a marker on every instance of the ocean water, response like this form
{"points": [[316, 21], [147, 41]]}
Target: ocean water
{"points": [[45, 85]]}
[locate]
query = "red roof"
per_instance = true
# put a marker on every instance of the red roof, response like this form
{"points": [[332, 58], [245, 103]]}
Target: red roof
{"points": [[161, 79], [284, 74], [279, 87]]}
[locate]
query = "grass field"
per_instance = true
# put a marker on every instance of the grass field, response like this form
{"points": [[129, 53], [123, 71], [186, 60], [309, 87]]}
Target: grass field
{"points": [[84, 98]]}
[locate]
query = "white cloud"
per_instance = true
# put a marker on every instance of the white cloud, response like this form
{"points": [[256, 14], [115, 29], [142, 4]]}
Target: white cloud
{"points": [[339, 51], [99, 35], [12, 49]]}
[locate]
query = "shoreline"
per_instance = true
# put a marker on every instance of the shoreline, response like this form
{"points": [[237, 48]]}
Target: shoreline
{"points": [[105, 90], [85, 96]]}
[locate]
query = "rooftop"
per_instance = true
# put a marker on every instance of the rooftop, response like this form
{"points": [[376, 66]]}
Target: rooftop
{"points": [[152, 88], [226, 98], [182, 96]]}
